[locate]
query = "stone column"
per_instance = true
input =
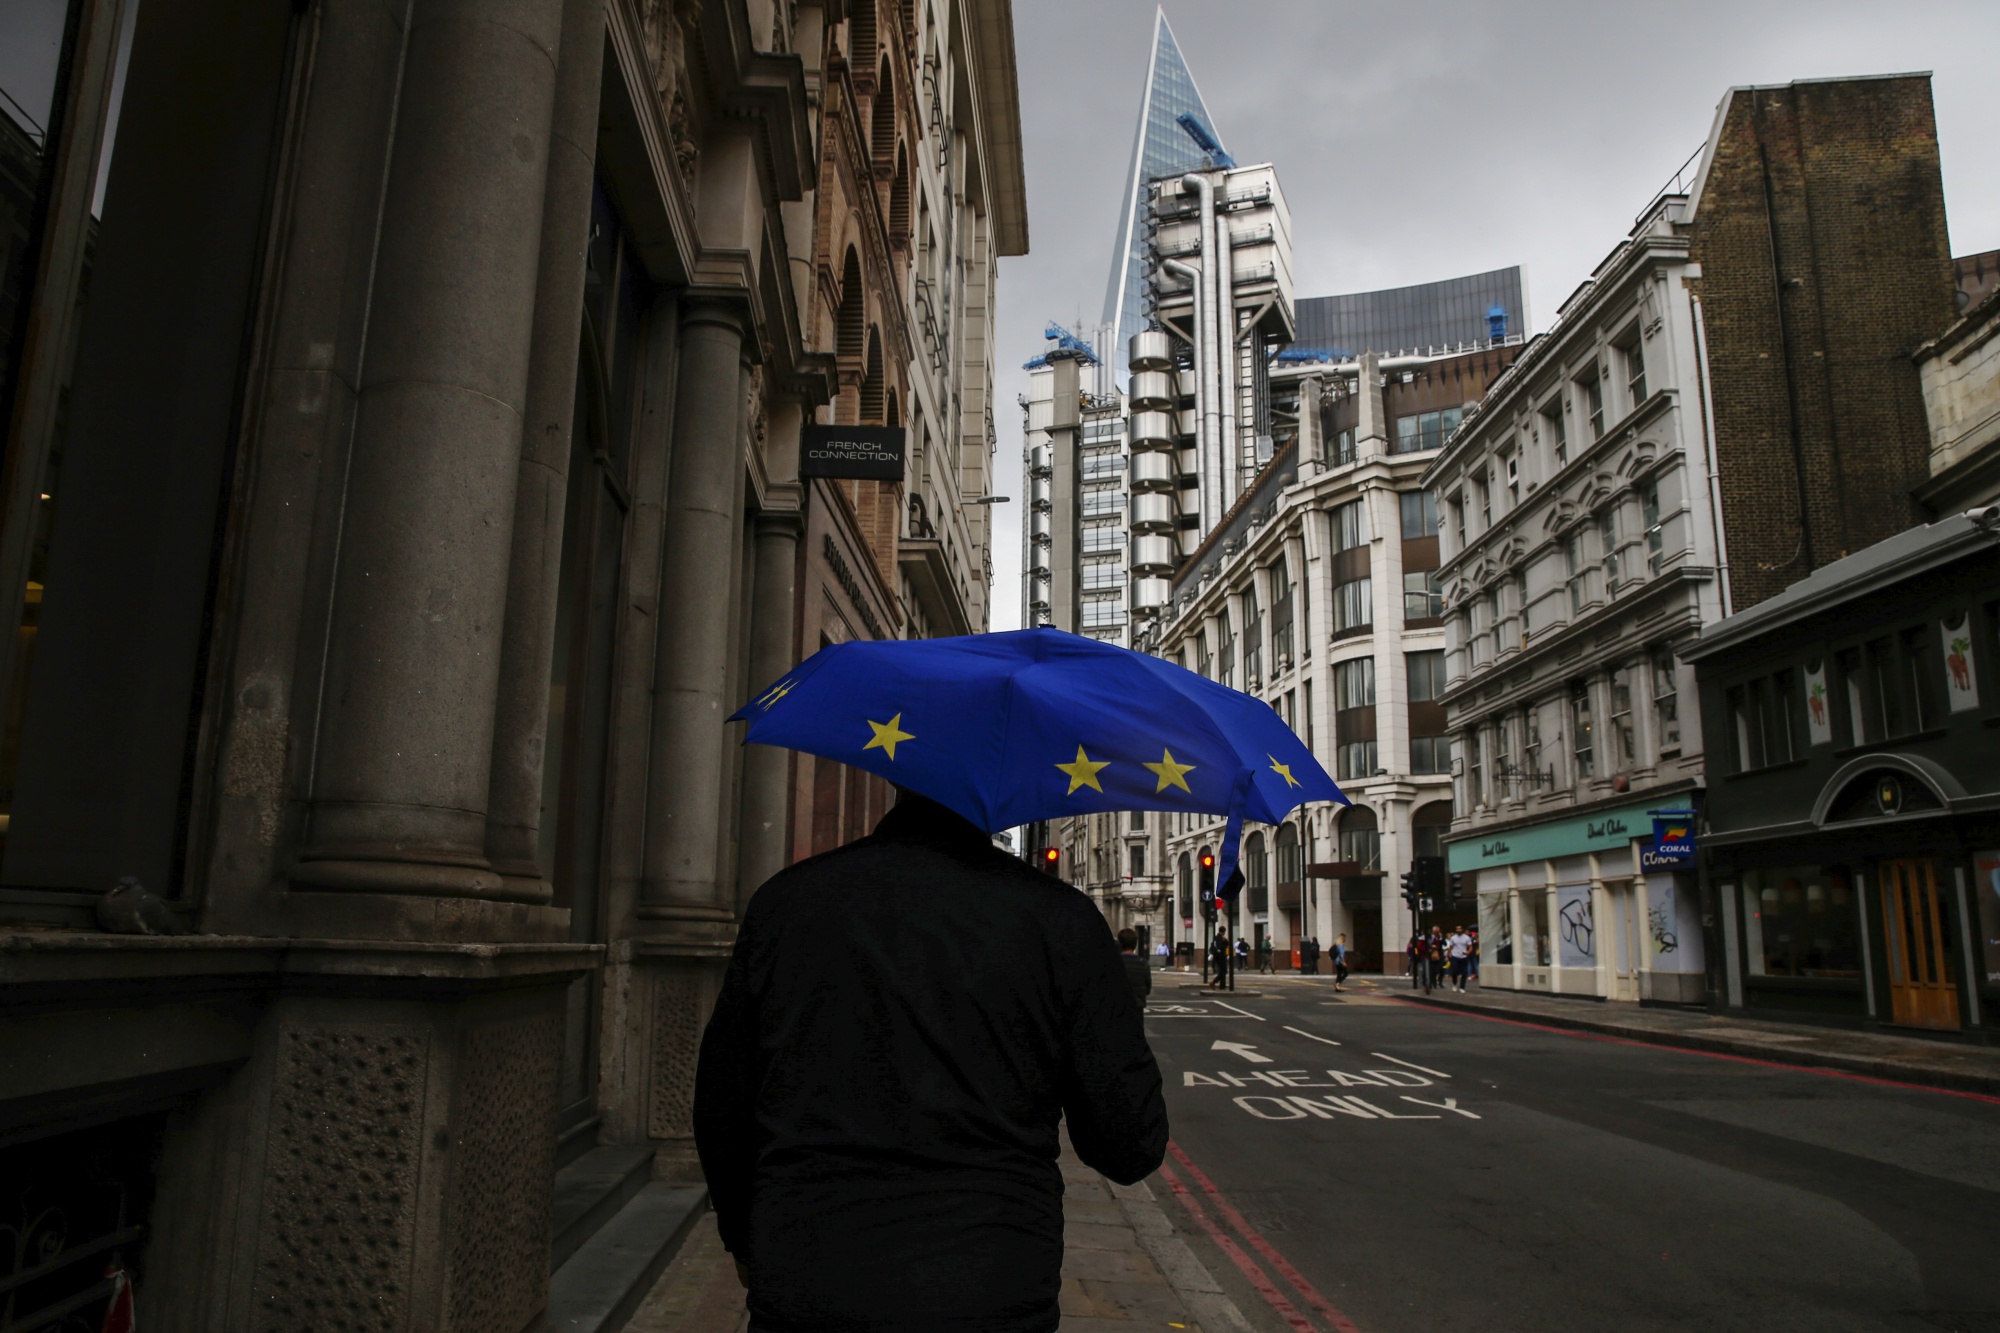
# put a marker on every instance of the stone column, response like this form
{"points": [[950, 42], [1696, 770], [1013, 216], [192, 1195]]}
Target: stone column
{"points": [[514, 799], [703, 517], [773, 651], [406, 725]]}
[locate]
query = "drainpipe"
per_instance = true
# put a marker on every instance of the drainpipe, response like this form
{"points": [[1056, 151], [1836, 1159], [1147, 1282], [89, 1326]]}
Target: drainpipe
{"points": [[1215, 451], [1202, 396]]}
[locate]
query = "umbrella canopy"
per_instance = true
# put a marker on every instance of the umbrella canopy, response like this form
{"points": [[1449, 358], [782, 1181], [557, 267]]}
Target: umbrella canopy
{"points": [[1035, 724]]}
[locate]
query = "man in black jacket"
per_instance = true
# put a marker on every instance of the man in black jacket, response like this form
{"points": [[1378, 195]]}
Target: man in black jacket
{"points": [[903, 1024], [1138, 969]]}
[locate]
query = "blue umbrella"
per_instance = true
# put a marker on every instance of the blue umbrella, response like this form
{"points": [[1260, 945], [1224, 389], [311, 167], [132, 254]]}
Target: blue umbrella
{"points": [[1012, 728]]}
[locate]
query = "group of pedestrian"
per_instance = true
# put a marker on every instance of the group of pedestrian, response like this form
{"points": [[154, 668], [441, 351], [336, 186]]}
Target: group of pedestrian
{"points": [[1440, 959], [1310, 954]]}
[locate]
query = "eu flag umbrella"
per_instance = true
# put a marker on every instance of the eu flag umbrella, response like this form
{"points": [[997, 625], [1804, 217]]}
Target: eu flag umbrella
{"points": [[1035, 724]]}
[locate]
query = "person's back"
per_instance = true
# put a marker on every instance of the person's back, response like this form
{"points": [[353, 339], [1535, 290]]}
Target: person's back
{"points": [[903, 1024]]}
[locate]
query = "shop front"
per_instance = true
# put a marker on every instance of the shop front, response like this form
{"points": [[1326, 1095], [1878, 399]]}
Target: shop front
{"points": [[1853, 842], [1588, 905]]}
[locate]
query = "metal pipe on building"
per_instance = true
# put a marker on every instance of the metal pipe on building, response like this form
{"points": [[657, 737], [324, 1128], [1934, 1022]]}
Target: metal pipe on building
{"points": [[1204, 380]]}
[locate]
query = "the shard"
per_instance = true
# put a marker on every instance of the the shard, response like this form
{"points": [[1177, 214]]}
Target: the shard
{"points": [[1165, 145]]}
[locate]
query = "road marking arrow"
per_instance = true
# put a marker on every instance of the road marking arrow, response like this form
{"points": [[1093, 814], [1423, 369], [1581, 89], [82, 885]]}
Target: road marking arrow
{"points": [[1247, 1052]]}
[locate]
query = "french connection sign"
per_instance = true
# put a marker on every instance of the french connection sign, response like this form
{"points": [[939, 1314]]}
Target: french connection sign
{"points": [[859, 453]]}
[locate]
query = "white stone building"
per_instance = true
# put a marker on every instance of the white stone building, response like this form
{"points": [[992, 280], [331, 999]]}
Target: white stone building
{"points": [[1580, 550]]}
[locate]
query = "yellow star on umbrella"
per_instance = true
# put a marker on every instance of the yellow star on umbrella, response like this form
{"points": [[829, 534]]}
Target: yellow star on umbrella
{"points": [[1170, 773], [1083, 772], [887, 734], [1282, 770]]}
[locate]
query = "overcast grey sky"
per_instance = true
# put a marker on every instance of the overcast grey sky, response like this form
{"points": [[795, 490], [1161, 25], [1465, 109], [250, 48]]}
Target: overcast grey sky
{"points": [[1423, 141]]}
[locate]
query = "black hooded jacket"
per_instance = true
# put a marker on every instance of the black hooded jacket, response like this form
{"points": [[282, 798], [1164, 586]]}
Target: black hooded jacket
{"points": [[904, 1023]]}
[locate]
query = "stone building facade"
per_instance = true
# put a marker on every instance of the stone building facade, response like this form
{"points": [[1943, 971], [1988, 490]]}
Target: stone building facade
{"points": [[1729, 402], [400, 487]]}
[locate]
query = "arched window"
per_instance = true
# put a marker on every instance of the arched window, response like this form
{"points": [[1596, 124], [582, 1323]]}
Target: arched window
{"points": [[1256, 875], [899, 201], [872, 395], [1427, 828], [1184, 879], [1360, 837], [1291, 868], [882, 138], [850, 325], [861, 35]]}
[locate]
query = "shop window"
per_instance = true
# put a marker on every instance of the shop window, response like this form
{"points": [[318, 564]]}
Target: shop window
{"points": [[1800, 922], [1496, 929], [1536, 947]]}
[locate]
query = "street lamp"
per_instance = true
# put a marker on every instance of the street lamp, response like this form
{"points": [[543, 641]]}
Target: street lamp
{"points": [[989, 500]]}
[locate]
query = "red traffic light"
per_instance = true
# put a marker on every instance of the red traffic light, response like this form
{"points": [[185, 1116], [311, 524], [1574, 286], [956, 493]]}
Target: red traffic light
{"points": [[1051, 855], [1208, 860]]}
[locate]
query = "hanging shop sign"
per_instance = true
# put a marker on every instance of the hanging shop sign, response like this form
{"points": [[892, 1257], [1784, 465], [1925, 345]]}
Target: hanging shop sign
{"points": [[856, 453], [1673, 841]]}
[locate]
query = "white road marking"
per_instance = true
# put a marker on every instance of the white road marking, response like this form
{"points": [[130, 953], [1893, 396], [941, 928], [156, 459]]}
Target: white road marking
{"points": [[1245, 1012], [1294, 1112], [1407, 1065], [1448, 1104], [1303, 1033], [1239, 1048]]}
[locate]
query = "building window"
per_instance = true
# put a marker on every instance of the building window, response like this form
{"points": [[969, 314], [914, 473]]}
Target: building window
{"points": [[1632, 353], [1353, 605], [1281, 615], [1340, 446], [1137, 854], [1917, 678], [1225, 666], [1253, 638], [1555, 431], [1859, 728], [1583, 738], [1201, 658], [1420, 517], [1483, 487], [1607, 532], [1624, 742], [1510, 466], [1520, 608], [1354, 760], [1360, 839], [1573, 568], [1350, 525], [1423, 595], [1800, 922], [1421, 431], [1531, 739], [1475, 769], [1354, 683], [1649, 517], [1309, 712], [1138, 821], [1426, 675], [1591, 384], [1291, 865], [1430, 754], [1666, 700]]}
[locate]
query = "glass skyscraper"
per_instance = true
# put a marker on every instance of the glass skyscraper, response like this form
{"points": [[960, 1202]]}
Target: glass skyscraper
{"points": [[1162, 147]]}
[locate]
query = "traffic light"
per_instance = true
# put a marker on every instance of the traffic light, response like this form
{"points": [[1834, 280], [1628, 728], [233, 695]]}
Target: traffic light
{"points": [[1410, 889], [1458, 888], [1052, 860], [1208, 885]]}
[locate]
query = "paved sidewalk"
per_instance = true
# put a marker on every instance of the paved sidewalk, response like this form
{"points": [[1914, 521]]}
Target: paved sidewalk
{"points": [[1124, 1269], [1929, 1061]]}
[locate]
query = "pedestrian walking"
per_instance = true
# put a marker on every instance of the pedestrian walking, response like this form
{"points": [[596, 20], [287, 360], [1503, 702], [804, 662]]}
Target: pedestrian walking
{"points": [[1434, 951], [1308, 956], [1472, 965], [1137, 970], [1339, 963], [880, 1086], [1264, 950], [1458, 950]]}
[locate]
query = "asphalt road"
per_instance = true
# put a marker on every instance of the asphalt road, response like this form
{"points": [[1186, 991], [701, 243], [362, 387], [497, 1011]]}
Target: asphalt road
{"points": [[1362, 1163]]}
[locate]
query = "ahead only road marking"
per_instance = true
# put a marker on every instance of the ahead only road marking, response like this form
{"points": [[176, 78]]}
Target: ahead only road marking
{"points": [[1248, 1052]]}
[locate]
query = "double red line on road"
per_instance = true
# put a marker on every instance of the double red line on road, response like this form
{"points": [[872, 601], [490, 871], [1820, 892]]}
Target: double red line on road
{"points": [[1269, 1290]]}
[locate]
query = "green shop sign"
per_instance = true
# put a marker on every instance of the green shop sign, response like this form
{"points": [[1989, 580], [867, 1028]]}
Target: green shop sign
{"points": [[1610, 830]]}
